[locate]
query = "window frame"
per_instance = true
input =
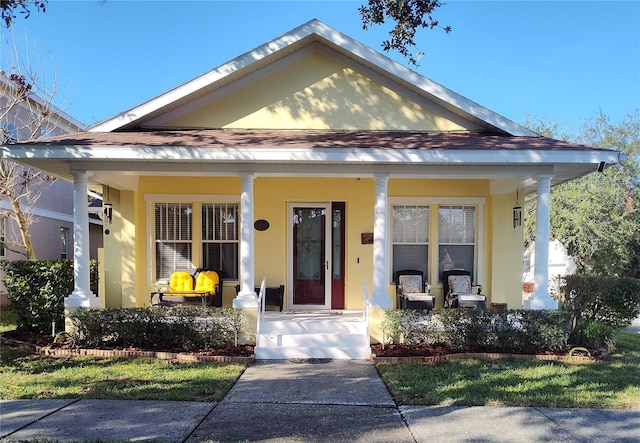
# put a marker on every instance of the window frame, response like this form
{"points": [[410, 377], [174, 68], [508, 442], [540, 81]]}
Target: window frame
{"points": [[434, 244], [221, 241], [64, 242], [196, 202], [3, 235], [426, 243], [452, 243]]}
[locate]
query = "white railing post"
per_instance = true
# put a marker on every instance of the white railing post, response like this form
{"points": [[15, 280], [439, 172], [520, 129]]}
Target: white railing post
{"points": [[365, 311], [261, 307]]}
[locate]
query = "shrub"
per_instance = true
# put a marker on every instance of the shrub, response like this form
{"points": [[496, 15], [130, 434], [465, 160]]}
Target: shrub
{"points": [[511, 331], [408, 326], [158, 328], [37, 289], [598, 306]]}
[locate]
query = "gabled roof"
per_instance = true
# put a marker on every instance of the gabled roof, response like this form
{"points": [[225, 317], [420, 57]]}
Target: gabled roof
{"points": [[136, 143], [312, 139], [300, 37]]}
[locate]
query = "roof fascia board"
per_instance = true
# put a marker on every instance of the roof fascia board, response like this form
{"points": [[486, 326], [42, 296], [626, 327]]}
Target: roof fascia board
{"points": [[309, 155]]}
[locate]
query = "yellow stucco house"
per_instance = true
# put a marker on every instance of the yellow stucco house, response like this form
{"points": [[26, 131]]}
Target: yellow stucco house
{"points": [[316, 162]]}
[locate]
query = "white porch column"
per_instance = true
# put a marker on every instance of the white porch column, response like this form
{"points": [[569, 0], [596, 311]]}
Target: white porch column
{"points": [[541, 298], [247, 279], [379, 296], [81, 295]]}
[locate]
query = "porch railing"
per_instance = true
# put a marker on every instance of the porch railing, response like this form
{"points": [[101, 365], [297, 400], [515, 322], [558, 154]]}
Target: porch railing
{"points": [[365, 306], [261, 308]]}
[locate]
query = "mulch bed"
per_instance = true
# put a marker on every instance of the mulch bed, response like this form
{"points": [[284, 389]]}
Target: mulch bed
{"points": [[44, 343], [408, 351], [392, 353]]}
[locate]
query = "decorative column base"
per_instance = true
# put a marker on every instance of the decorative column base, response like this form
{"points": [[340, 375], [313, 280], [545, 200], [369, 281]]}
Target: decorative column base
{"points": [[249, 312], [245, 300], [81, 299], [76, 301], [542, 301], [380, 300], [376, 315]]}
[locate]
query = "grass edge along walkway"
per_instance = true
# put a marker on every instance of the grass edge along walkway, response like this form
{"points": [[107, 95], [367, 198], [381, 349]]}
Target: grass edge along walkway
{"points": [[613, 383], [24, 375]]}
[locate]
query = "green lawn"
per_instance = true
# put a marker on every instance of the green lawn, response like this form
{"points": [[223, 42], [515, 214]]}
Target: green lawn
{"points": [[614, 383], [24, 375]]}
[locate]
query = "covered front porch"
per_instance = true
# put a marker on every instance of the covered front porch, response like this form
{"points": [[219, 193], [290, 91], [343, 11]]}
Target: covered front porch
{"points": [[368, 248]]}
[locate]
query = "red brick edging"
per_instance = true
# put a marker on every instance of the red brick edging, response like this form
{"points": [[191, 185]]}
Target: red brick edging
{"points": [[189, 358], [181, 357], [477, 355]]}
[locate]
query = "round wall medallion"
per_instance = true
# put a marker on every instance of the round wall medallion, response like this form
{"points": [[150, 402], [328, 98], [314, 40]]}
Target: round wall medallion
{"points": [[261, 225]]}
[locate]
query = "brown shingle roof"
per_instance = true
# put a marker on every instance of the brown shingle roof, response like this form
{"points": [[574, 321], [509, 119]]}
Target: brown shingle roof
{"points": [[235, 138]]}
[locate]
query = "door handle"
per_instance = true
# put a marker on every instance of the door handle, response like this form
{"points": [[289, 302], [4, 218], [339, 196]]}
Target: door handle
{"points": [[327, 264]]}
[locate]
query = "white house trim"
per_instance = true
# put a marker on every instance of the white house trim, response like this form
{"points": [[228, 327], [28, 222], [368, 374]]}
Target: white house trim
{"points": [[242, 154]]}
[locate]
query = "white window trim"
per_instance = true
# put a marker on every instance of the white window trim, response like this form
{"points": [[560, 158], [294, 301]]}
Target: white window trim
{"points": [[478, 202], [196, 200]]}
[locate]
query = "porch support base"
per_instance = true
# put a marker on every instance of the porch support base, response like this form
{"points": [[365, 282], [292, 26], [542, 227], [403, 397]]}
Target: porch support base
{"points": [[376, 315], [247, 336]]}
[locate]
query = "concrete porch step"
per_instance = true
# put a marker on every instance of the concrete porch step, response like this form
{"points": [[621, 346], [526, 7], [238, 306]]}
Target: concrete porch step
{"points": [[336, 352], [313, 336], [315, 339]]}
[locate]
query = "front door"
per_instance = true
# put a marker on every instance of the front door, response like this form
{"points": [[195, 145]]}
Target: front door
{"points": [[310, 256]]}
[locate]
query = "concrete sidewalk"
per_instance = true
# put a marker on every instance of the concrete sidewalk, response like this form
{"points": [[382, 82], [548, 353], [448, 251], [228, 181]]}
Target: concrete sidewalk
{"points": [[283, 401]]}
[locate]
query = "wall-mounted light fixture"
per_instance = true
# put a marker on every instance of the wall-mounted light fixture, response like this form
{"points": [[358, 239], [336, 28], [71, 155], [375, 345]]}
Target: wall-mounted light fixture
{"points": [[517, 211], [107, 210]]}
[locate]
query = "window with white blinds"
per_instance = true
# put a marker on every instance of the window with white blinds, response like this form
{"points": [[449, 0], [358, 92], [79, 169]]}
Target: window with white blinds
{"points": [[173, 237], [220, 245], [456, 238], [410, 238]]}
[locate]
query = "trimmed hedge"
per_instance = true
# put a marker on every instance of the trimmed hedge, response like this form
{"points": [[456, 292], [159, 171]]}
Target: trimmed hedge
{"points": [[37, 289], [186, 328], [512, 331]]}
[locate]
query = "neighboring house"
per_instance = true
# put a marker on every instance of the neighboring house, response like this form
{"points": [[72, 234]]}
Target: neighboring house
{"points": [[351, 166], [560, 264], [52, 232]]}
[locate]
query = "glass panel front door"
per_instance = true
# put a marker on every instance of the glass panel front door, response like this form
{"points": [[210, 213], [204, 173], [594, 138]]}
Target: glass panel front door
{"points": [[310, 257]]}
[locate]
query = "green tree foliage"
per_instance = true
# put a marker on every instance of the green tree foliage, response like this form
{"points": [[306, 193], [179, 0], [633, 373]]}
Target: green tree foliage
{"points": [[597, 217], [408, 15], [37, 289], [9, 8]]}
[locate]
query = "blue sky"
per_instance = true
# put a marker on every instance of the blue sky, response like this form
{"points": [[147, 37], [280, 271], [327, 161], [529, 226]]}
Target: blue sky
{"points": [[560, 61]]}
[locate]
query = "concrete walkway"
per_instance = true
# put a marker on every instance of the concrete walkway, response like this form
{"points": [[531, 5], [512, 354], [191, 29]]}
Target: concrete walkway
{"points": [[317, 401]]}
